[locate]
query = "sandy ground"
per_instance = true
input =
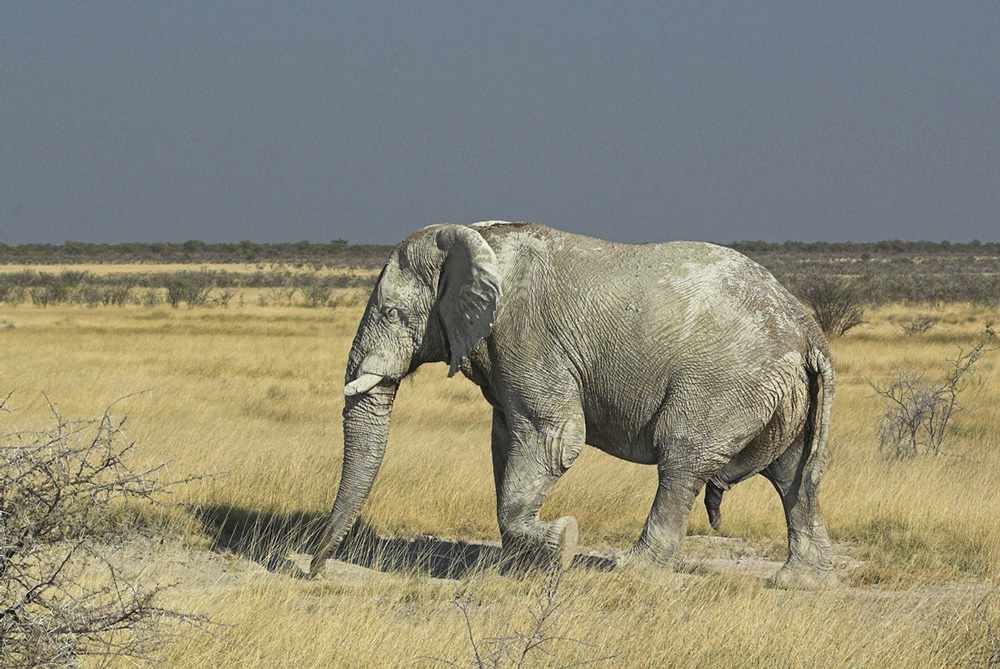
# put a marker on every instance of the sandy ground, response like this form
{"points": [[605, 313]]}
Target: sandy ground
{"points": [[201, 569]]}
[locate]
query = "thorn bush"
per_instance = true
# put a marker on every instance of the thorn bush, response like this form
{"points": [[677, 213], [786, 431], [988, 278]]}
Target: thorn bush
{"points": [[62, 491]]}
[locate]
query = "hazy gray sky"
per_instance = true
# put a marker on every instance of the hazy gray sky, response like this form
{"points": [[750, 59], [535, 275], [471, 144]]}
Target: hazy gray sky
{"points": [[634, 122]]}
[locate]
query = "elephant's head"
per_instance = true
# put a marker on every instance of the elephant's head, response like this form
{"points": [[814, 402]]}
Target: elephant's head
{"points": [[434, 301]]}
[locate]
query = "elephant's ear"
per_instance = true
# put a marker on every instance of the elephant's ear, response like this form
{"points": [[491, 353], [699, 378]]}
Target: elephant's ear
{"points": [[468, 290]]}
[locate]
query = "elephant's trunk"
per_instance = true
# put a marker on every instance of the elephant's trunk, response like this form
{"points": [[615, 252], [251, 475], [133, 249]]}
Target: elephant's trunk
{"points": [[366, 430]]}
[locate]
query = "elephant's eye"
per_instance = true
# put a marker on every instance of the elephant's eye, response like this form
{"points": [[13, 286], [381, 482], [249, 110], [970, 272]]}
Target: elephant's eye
{"points": [[391, 314]]}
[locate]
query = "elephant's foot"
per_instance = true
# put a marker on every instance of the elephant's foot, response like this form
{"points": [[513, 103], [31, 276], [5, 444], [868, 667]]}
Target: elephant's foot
{"points": [[810, 563], [564, 536], [643, 555], [803, 577], [553, 547]]}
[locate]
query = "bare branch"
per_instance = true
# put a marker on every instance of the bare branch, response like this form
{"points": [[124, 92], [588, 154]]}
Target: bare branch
{"points": [[60, 487], [516, 648], [919, 413]]}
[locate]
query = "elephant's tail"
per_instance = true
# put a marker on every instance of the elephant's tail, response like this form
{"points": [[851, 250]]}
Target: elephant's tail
{"points": [[820, 370]]}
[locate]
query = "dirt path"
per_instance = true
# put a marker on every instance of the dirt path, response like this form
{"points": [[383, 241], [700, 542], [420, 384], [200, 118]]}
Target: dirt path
{"points": [[201, 569]]}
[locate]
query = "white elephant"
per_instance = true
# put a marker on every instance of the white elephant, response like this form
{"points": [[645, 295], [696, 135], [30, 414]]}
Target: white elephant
{"points": [[683, 355]]}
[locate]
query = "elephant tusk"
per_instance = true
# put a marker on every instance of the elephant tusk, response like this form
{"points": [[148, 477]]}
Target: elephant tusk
{"points": [[362, 384]]}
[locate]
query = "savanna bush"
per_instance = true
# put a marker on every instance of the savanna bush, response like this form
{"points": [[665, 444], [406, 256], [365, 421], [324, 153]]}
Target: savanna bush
{"points": [[838, 303], [918, 413], [318, 293], [63, 494], [918, 325], [192, 288]]}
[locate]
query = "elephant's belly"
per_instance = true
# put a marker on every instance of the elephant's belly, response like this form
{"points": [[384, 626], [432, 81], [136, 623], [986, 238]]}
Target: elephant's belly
{"points": [[617, 432], [633, 451]]}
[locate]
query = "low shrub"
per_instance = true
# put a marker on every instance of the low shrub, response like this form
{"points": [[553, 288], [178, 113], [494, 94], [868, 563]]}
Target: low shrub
{"points": [[62, 492]]}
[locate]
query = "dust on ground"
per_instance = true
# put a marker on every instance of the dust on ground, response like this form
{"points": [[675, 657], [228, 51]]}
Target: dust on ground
{"points": [[197, 568]]}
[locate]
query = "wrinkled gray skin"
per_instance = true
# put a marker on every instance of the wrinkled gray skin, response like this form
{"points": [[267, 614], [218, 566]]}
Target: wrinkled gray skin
{"points": [[687, 356]]}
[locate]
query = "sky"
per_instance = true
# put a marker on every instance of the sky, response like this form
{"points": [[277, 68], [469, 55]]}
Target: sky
{"points": [[635, 122]]}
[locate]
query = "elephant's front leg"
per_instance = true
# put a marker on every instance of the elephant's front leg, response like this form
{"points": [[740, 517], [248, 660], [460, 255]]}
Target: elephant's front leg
{"points": [[527, 462]]}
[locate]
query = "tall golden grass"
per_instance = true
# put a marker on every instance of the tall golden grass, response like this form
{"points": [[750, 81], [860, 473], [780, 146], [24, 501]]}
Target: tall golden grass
{"points": [[255, 391]]}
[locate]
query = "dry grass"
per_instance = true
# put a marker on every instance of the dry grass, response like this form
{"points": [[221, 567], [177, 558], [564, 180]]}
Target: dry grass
{"points": [[256, 391]]}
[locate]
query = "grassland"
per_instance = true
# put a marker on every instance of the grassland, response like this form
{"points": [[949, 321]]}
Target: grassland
{"points": [[255, 391]]}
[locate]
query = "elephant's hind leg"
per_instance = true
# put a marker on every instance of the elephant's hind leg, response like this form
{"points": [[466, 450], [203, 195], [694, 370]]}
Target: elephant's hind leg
{"points": [[527, 462], [795, 474], [667, 522], [809, 564]]}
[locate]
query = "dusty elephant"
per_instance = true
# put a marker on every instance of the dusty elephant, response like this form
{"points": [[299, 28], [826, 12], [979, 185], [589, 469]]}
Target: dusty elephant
{"points": [[687, 356]]}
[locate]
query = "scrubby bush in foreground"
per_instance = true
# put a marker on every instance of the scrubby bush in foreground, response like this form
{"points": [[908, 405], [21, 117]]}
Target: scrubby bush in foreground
{"points": [[63, 491]]}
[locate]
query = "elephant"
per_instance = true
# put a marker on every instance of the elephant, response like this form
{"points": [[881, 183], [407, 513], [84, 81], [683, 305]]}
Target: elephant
{"points": [[684, 355]]}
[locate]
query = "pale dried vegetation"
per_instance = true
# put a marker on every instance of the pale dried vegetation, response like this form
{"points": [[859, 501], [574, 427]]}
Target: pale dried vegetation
{"points": [[255, 391]]}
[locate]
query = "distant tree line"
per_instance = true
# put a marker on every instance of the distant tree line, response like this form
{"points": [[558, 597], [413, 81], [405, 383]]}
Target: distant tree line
{"points": [[193, 288], [340, 253], [890, 246], [337, 253]]}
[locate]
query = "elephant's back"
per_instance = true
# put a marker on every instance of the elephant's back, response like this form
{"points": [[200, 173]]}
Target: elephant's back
{"points": [[663, 291], [687, 310]]}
